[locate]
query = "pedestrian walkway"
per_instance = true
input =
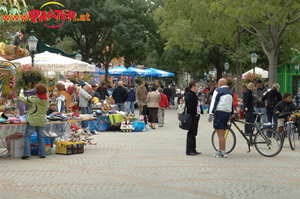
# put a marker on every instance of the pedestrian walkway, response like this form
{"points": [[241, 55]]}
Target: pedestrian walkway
{"points": [[151, 165]]}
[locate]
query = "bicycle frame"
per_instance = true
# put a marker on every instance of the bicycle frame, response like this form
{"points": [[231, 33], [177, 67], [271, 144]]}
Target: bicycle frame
{"points": [[249, 140]]}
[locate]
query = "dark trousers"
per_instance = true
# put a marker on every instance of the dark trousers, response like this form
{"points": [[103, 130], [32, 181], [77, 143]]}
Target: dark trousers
{"points": [[191, 135], [249, 117], [272, 118]]}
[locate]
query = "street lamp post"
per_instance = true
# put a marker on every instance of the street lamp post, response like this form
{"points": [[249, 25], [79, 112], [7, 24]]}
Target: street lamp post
{"points": [[226, 66], [78, 56], [32, 44], [253, 61], [297, 69]]}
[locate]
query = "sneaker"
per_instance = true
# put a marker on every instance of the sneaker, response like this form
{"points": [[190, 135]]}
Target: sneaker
{"points": [[220, 155]]}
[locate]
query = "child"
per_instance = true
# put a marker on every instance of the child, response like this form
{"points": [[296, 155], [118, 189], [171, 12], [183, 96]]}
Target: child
{"points": [[52, 109], [180, 108], [284, 106]]}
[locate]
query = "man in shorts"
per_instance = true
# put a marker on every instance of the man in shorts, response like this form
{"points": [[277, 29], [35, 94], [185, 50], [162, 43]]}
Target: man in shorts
{"points": [[221, 108]]}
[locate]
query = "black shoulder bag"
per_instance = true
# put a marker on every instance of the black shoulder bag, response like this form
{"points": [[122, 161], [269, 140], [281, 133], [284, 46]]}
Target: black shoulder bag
{"points": [[185, 120]]}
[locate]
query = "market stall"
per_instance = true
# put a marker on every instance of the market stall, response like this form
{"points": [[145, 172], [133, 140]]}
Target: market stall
{"points": [[11, 135], [7, 70]]}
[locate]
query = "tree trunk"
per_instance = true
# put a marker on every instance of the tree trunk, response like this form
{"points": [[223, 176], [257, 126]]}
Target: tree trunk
{"points": [[272, 57], [179, 80], [106, 72]]}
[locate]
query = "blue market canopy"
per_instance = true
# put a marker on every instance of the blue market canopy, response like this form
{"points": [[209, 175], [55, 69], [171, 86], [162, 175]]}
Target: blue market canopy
{"points": [[153, 72], [123, 71]]}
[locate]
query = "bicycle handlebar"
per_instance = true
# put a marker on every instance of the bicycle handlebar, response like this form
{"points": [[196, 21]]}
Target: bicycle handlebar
{"points": [[289, 113]]}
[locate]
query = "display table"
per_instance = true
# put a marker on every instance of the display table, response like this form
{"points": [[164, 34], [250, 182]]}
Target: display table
{"points": [[9, 129]]}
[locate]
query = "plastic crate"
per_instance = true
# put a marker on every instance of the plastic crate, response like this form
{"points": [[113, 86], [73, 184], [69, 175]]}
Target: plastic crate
{"points": [[34, 149], [34, 140], [69, 148]]}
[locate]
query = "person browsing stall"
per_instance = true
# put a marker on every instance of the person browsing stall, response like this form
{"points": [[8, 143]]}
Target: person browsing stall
{"points": [[153, 99], [38, 105], [120, 96], [163, 105], [141, 96], [84, 98]]}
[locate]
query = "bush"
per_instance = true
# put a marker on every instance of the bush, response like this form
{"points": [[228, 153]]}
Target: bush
{"points": [[251, 77]]}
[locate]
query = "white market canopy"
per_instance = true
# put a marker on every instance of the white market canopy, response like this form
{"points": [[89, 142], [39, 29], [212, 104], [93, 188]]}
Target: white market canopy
{"points": [[2, 59], [54, 62], [259, 71]]}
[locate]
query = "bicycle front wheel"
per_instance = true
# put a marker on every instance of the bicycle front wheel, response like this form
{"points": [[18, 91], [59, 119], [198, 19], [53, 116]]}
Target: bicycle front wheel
{"points": [[268, 146], [230, 140], [291, 136]]}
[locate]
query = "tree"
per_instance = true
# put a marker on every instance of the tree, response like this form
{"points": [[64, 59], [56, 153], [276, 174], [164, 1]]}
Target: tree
{"points": [[116, 28], [267, 23], [217, 20], [196, 25]]}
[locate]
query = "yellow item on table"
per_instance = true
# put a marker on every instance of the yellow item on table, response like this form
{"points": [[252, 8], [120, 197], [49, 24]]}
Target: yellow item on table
{"points": [[115, 118], [95, 100], [2, 46]]}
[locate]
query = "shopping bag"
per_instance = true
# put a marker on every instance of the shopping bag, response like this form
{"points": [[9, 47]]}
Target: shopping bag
{"points": [[185, 121]]}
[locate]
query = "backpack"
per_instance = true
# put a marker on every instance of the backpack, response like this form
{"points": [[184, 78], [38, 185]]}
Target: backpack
{"points": [[272, 100]]}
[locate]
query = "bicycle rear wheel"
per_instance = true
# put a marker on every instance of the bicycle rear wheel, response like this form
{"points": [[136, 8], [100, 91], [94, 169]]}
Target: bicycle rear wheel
{"points": [[291, 136], [268, 146], [230, 140]]}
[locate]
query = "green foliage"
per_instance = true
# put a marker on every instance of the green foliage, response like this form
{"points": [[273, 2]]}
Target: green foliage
{"points": [[250, 77], [28, 71], [116, 28], [234, 26]]}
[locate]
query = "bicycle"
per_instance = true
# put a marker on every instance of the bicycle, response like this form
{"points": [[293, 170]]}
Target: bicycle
{"points": [[289, 129], [266, 146]]}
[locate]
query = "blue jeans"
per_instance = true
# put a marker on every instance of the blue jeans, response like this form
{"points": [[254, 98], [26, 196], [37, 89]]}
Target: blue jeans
{"points": [[173, 99], [272, 118], [85, 110], [120, 106], [263, 118], [130, 107], [41, 142]]}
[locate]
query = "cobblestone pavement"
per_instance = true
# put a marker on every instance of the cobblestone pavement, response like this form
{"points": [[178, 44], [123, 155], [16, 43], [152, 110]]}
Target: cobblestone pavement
{"points": [[150, 165]]}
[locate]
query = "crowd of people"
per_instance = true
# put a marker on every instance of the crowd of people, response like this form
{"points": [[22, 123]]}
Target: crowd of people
{"points": [[153, 100], [156, 99], [272, 107]]}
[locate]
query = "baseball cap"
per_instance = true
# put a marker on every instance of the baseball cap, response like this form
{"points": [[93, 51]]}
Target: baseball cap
{"points": [[257, 81], [120, 83]]}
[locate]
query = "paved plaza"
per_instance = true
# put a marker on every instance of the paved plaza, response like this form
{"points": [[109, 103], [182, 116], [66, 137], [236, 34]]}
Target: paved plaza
{"points": [[153, 165]]}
